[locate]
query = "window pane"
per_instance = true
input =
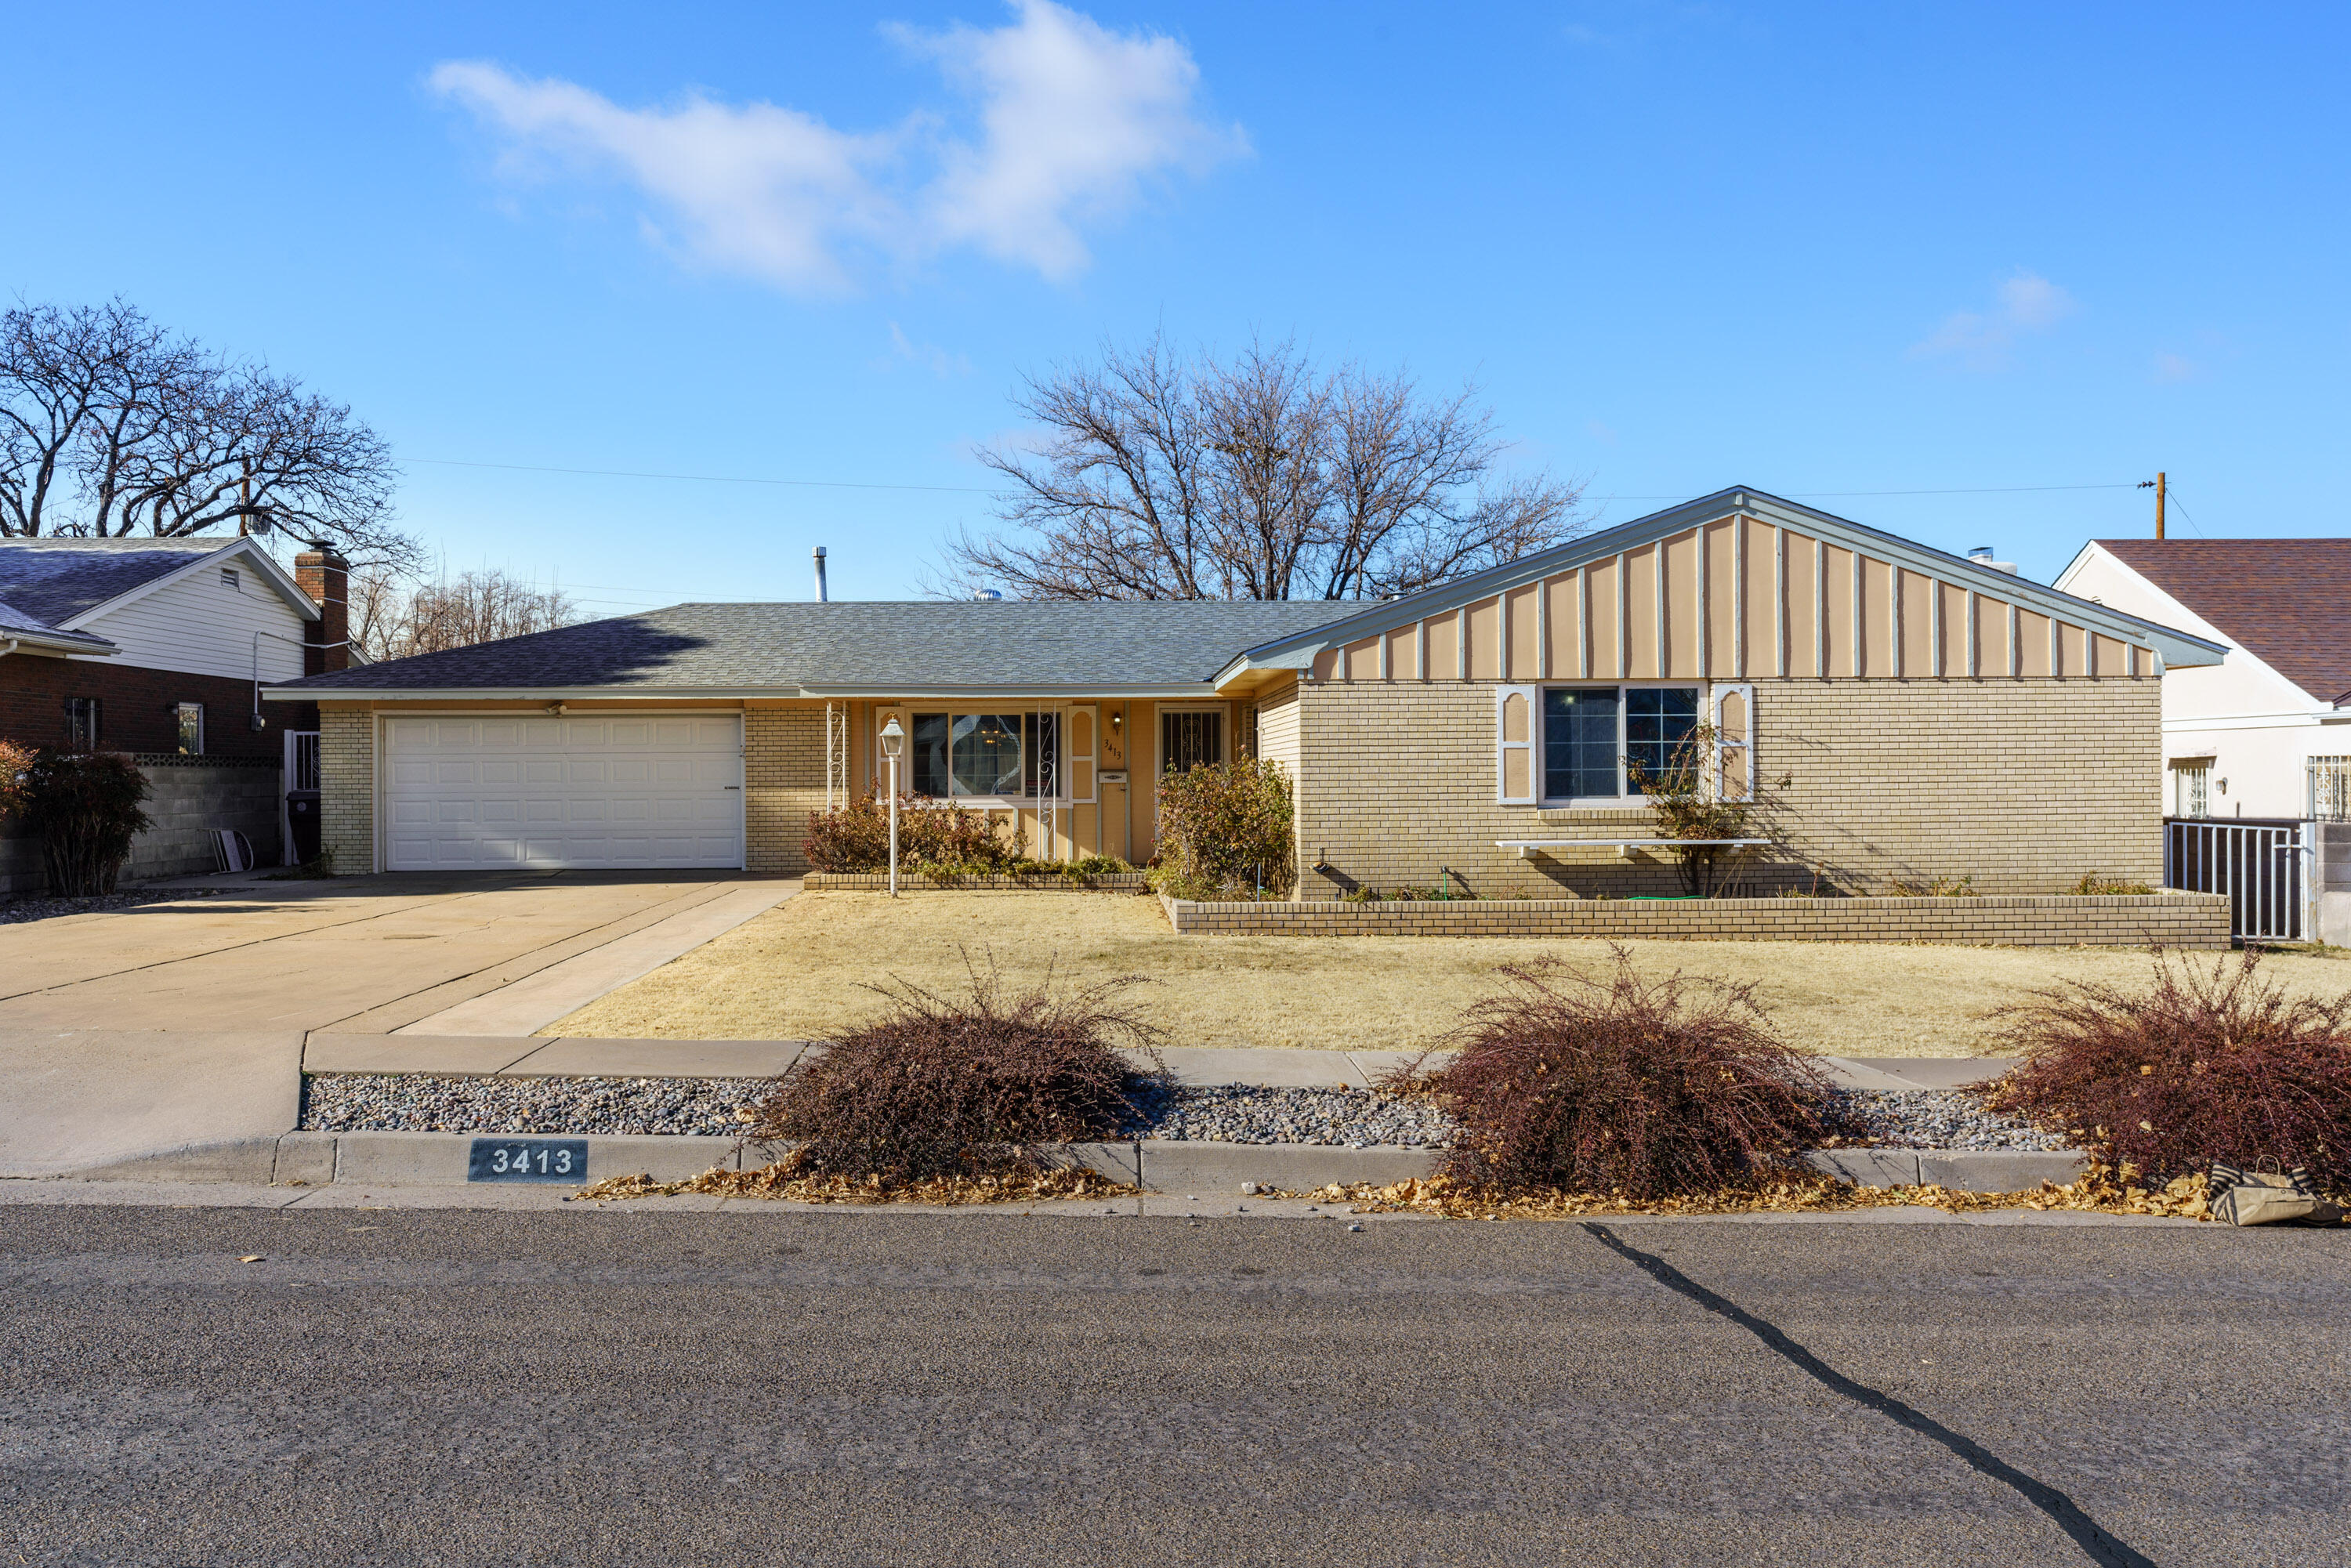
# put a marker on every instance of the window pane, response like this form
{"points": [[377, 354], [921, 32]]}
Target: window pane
{"points": [[987, 754], [1658, 719], [191, 729], [1580, 743], [928, 746], [1188, 740]]}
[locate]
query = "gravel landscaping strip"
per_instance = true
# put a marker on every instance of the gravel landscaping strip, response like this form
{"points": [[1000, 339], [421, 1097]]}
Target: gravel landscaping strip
{"points": [[1934, 1119], [418, 1103], [16, 910], [1228, 1114], [1241, 1113]]}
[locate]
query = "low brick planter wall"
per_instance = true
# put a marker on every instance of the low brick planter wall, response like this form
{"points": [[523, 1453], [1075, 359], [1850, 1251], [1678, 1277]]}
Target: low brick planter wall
{"points": [[2195, 920], [915, 881]]}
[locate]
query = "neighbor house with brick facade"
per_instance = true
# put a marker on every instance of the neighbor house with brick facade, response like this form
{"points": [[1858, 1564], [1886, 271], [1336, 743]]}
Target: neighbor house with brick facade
{"points": [[160, 648], [1933, 718]]}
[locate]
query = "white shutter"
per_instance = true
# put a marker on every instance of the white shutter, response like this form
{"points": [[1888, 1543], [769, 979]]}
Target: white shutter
{"points": [[1734, 741], [1514, 745]]}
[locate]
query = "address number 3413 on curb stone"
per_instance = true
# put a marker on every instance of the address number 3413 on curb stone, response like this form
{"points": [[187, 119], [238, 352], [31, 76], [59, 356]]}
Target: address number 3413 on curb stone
{"points": [[561, 1160]]}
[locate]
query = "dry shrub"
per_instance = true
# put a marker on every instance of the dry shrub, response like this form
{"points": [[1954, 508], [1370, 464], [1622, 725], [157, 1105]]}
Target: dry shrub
{"points": [[15, 777], [86, 806], [1225, 831], [2205, 1065], [931, 834], [963, 1085], [1620, 1085]]}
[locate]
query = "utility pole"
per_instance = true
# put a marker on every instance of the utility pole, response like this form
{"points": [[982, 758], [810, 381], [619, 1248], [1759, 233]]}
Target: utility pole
{"points": [[2158, 485]]}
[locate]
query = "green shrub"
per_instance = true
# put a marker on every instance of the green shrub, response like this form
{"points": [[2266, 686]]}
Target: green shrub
{"points": [[963, 1085], [1225, 829], [85, 807], [1620, 1085], [944, 836]]}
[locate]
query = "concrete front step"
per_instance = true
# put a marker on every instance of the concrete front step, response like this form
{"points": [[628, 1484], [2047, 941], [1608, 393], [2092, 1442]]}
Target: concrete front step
{"points": [[1192, 1168]]}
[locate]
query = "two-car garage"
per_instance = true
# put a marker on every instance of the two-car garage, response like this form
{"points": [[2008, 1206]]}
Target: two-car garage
{"points": [[547, 793]]}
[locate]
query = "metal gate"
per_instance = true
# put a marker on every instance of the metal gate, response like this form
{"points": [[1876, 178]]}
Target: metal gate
{"points": [[2259, 864]]}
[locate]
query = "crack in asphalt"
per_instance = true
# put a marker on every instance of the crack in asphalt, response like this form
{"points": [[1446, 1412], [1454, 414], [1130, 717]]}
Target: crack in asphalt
{"points": [[2100, 1545]]}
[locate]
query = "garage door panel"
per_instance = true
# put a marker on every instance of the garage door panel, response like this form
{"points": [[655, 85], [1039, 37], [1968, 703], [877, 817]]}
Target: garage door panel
{"points": [[547, 793]]}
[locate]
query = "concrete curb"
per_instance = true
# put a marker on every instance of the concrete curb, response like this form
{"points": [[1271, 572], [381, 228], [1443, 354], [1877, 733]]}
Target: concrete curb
{"points": [[1163, 1166]]}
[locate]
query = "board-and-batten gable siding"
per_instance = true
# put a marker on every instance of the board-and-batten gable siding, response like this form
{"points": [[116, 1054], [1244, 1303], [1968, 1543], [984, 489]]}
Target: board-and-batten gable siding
{"points": [[202, 625], [1737, 598]]}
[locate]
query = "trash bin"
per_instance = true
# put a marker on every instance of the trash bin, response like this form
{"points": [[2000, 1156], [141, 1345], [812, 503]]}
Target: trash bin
{"points": [[302, 818]]}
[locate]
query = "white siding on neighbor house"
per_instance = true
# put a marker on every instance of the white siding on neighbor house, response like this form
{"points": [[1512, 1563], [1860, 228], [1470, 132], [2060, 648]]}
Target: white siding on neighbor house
{"points": [[201, 625], [2259, 728]]}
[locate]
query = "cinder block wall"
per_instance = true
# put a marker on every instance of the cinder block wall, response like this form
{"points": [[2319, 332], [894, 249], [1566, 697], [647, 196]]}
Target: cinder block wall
{"points": [[2024, 785], [190, 797], [783, 781], [347, 787]]}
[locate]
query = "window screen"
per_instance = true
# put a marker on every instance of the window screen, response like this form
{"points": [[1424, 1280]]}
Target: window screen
{"points": [[191, 729], [81, 722], [1580, 743], [1188, 740]]}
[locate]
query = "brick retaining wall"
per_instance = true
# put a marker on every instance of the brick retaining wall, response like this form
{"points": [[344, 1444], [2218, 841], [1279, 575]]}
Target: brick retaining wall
{"points": [[2194, 920], [915, 881]]}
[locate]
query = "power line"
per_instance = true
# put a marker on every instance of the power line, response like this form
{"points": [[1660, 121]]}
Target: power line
{"points": [[985, 490]]}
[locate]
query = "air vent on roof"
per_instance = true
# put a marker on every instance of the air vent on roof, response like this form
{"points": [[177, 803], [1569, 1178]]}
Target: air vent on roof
{"points": [[1982, 556], [988, 595]]}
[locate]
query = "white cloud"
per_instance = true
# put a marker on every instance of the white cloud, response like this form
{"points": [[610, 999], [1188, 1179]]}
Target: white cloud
{"points": [[2170, 369], [1982, 340], [1071, 122]]}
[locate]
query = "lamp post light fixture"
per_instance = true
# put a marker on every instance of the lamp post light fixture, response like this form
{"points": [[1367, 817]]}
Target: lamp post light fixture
{"points": [[893, 740]]}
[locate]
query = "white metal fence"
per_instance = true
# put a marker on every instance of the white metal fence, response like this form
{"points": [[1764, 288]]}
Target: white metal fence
{"points": [[2259, 864]]}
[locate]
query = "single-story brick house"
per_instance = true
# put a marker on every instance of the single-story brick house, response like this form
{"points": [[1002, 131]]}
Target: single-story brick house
{"points": [[1937, 717]]}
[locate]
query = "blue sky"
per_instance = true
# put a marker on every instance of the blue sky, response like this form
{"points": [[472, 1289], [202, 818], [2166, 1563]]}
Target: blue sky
{"points": [[1822, 250]]}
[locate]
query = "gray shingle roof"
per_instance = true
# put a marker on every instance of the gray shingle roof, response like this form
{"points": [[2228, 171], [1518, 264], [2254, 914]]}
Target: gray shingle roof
{"points": [[865, 645], [16, 623], [58, 579]]}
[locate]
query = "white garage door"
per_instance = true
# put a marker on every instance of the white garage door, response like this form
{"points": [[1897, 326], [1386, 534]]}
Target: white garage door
{"points": [[547, 793]]}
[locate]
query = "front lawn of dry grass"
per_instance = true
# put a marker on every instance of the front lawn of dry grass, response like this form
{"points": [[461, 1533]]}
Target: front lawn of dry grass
{"points": [[794, 973]]}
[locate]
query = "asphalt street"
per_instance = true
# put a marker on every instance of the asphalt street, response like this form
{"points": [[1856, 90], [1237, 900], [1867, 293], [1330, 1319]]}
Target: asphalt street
{"points": [[624, 1387]]}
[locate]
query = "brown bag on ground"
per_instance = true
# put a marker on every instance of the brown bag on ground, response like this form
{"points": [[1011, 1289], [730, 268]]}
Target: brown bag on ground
{"points": [[2264, 1197]]}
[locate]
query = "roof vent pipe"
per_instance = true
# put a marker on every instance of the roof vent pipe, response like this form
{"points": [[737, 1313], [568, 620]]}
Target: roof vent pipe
{"points": [[1982, 556], [820, 596]]}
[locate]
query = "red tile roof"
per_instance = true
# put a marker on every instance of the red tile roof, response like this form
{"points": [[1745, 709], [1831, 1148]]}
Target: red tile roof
{"points": [[2287, 601]]}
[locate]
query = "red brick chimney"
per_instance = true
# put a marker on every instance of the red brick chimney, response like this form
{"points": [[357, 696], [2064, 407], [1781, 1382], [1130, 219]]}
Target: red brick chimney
{"points": [[326, 577]]}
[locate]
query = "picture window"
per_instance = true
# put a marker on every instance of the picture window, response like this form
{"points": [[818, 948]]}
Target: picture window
{"points": [[1591, 733]]}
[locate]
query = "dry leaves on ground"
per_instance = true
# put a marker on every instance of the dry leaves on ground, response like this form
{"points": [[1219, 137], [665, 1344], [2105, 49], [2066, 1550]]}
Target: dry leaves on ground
{"points": [[785, 1181], [2098, 1190]]}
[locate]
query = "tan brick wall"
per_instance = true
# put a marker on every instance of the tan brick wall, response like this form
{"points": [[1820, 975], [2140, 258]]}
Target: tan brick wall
{"points": [[347, 787], [2024, 785], [783, 781], [2198, 920]]}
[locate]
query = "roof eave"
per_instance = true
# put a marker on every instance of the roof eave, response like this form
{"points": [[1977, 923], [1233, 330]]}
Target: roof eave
{"points": [[300, 691], [95, 647]]}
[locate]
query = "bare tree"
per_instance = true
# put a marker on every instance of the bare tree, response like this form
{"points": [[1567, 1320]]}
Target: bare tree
{"points": [[393, 618], [1263, 476], [111, 425]]}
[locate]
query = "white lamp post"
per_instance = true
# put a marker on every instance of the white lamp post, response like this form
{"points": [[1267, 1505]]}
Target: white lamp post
{"points": [[893, 740]]}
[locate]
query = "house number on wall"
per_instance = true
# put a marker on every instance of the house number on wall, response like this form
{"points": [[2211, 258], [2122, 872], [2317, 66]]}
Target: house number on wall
{"points": [[528, 1159]]}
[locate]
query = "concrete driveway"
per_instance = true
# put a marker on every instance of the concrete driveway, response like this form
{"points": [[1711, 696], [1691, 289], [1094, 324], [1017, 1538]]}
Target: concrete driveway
{"points": [[178, 1025], [357, 955]]}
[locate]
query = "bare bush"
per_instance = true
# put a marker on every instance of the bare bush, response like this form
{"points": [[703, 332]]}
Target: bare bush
{"points": [[936, 834], [1262, 476], [2204, 1065], [1620, 1085], [963, 1085]]}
